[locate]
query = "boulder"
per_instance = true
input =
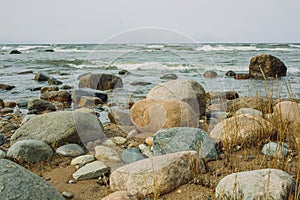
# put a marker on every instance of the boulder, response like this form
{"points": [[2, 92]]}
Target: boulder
{"points": [[61, 127], [242, 129], [188, 91], [30, 151], [249, 111], [77, 94], [288, 112], [71, 150], [6, 87], [60, 96], [54, 81], [150, 115], [91, 170], [266, 65], [256, 184], [160, 174], [263, 104], [172, 140], [10, 104], [17, 182], [100, 81], [2, 139], [48, 89], [210, 74], [40, 105]]}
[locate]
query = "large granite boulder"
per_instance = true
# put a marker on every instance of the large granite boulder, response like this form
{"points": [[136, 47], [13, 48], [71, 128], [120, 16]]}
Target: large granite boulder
{"points": [[188, 91], [17, 182], [242, 129], [30, 151], [160, 174], [257, 184], [265, 65], [150, 115], [173, 140], [100, 81], [61, 127]]}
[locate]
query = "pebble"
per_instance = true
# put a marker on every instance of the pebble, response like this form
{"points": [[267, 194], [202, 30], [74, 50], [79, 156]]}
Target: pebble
{"points": [[104, 153], [132, 133], [71, 181], [149, 141], [119, 140], [146, 150], [82, 160], [91, 170], [70, 150], [68, 195]]}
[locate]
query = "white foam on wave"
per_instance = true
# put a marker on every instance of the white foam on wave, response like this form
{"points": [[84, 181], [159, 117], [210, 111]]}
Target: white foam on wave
{"points": [[294, 46], [92, 50], [29, 47], [5, 48], [239, 48], [155, 46]]}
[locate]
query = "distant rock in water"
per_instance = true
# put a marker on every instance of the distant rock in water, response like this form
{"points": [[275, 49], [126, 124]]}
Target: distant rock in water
{"points": [[140, 83], [15, 52], [44, 76], [210, 74], [169, 76], [100, 81], [6, 87], [265, 65], [241, 76], [230, 73], [49, 50]]}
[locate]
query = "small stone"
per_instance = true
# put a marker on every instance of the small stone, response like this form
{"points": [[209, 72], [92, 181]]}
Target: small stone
{"points": [[140, 83], [68, 195], [119, 140], [71, 181], [149, 141], [275, 150], [146, 150], [230, 73], [132, 133], [71, 150], [82, 160], [169, 76], [15, 52], [210, 74], [108, 143], [91, 170], [121, 195], [104, 153]]}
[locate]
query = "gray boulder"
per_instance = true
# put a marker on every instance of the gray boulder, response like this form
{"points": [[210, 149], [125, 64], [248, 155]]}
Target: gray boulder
{"points": [[61, 127], [18, 183], [30, 151], [275, 150], [131, 155], [265, 65], [173, 140], [160, 174], [188, 91], [39, 105], [257, 184]]}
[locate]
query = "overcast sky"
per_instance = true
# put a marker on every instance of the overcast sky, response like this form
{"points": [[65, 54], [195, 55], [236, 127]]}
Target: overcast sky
{"points": [[95, 21]]}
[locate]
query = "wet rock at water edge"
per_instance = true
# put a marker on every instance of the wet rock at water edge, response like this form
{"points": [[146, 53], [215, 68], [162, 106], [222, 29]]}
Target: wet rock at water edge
{"points": [[30, 151], [230, 73], [266, 65], [241, 76], [70, 150], [40, 105], [100, 81], [6, 87], [2, 139], [169, 76], [140, 83], [77, 94]]}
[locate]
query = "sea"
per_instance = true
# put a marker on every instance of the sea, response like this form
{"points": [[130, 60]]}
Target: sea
{"points": [[147, 63]]}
